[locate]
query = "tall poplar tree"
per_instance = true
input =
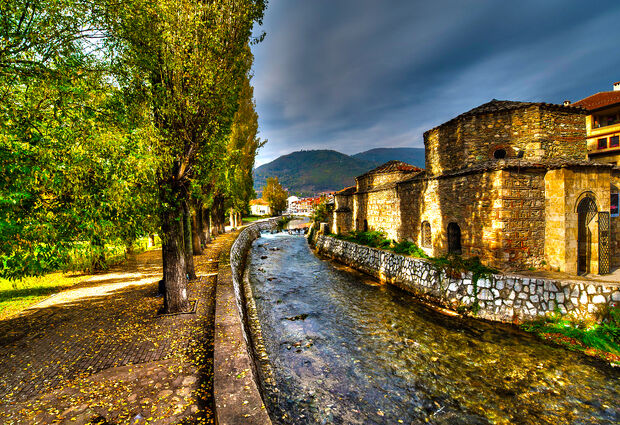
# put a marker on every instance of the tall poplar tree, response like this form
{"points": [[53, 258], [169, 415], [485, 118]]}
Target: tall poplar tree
{"points": [[191, 58]]}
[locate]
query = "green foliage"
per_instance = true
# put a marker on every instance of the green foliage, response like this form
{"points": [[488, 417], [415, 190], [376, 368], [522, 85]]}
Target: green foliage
{"points": [[110, 114], [378, 239], [321, 212], [409, 248], [603, 336], [282, 222], [275, 195]]}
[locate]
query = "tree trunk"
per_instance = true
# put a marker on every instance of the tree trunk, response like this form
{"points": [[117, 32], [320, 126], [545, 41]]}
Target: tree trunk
{"points": [[175, 278], [232, 218], [196, 247], [187, 237], [98, 249], [239, 219], [206, 219], [151, 240], [200, 224]]}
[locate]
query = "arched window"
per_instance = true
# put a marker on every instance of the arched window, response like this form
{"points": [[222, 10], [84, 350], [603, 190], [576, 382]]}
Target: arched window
{"points": [[500, 153], [365, 225], [426, 234], [454, 238]]}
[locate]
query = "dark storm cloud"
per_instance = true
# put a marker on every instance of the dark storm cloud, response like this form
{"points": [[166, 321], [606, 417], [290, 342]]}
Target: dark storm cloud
{"points": [[354, 75]]}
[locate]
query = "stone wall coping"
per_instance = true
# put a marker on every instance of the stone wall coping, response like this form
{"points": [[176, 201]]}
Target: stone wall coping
{"points": [[237, 391], [506, 107]]}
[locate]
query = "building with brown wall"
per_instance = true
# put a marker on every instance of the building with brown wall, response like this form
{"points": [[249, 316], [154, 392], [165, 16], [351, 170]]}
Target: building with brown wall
{"points": [[508, 182]]}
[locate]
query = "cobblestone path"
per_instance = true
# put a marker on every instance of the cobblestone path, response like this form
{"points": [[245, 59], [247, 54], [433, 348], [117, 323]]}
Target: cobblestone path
{"points": [[108, 323]]}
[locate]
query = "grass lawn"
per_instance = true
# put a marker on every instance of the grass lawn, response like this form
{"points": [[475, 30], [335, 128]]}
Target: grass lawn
{"points": [[251, 218], [18, 295]]}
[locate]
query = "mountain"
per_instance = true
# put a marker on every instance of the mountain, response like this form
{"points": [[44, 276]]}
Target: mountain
{"points": [[313, 171], [310, 172], [413, 156]]}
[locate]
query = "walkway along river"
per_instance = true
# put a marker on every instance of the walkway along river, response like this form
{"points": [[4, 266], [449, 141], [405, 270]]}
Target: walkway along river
{"points": [[345, 350]]}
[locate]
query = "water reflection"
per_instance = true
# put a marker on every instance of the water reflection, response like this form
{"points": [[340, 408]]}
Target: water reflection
{"points": [[347, 351]]}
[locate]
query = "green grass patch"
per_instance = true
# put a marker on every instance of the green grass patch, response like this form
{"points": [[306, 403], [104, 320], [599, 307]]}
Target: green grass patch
{"points": [[17, 295], [252, 218], [595, 337]]}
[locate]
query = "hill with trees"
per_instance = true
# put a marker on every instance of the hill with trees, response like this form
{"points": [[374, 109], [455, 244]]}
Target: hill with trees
{"points": [[413, 156], [314, 171]]}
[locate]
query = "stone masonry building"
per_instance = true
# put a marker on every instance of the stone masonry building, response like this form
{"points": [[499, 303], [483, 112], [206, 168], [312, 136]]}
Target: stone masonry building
{"points": [[509, 182]]}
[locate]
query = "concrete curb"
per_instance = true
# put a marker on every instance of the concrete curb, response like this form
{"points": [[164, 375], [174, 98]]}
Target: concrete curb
{"points": [[236, 394]]}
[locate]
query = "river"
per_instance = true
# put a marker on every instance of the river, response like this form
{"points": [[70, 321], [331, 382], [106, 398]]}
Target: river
{"points": [[346, 350]]}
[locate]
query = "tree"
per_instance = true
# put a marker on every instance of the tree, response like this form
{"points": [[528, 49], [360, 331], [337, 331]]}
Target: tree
{"points": [[191, 58], [275, 195], [242, 148], [75, 170]]}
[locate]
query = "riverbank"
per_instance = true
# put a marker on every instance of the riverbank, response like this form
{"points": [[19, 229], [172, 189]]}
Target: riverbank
{"points": [[496, 297]]}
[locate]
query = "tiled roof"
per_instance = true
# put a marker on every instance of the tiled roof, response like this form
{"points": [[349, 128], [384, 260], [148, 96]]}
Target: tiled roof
{"points": [[392, 167], [260, 201], [599, 100], [507, 105]]}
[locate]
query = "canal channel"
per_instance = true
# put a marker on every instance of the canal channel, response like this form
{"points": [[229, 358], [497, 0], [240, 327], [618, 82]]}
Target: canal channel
{"points": [[346, 350]]}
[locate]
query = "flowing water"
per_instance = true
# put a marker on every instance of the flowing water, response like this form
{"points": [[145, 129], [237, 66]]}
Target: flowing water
{"points": [[345, 350]]}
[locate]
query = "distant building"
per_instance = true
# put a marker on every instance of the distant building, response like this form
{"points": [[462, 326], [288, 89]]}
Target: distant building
{"points": [[260, 207], [291, 202], [603, 125], [509, 182]]}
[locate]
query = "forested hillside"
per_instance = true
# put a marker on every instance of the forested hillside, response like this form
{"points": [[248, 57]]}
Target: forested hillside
{"points": [[313, 171]]}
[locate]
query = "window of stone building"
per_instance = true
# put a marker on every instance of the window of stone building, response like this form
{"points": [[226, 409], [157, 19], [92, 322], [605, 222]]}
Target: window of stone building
{"points": [[426, 234], [614, 141], [614, 205], [454, 238], [500, 153], [602, 143], [365, 225]]}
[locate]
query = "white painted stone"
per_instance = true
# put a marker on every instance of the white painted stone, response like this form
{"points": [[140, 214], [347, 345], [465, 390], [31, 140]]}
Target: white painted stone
{"points": [[512, 295], [584, 299], [453, 287], [485, 294], [615, 296], [599, 299], [534, 298], [499, 284], [591, 289], [559, 297], [522, 296]]}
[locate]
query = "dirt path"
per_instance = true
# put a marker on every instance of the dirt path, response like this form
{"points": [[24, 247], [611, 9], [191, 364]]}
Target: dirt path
{"points": [[99, 353]]}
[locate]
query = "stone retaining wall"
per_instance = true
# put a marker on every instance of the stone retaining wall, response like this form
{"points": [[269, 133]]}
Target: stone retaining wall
{"points": [[246, 306], [506, 298], [238, 256]]}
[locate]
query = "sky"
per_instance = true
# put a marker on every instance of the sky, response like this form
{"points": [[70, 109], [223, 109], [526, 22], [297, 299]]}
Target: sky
{"points": [[353, 75]]}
